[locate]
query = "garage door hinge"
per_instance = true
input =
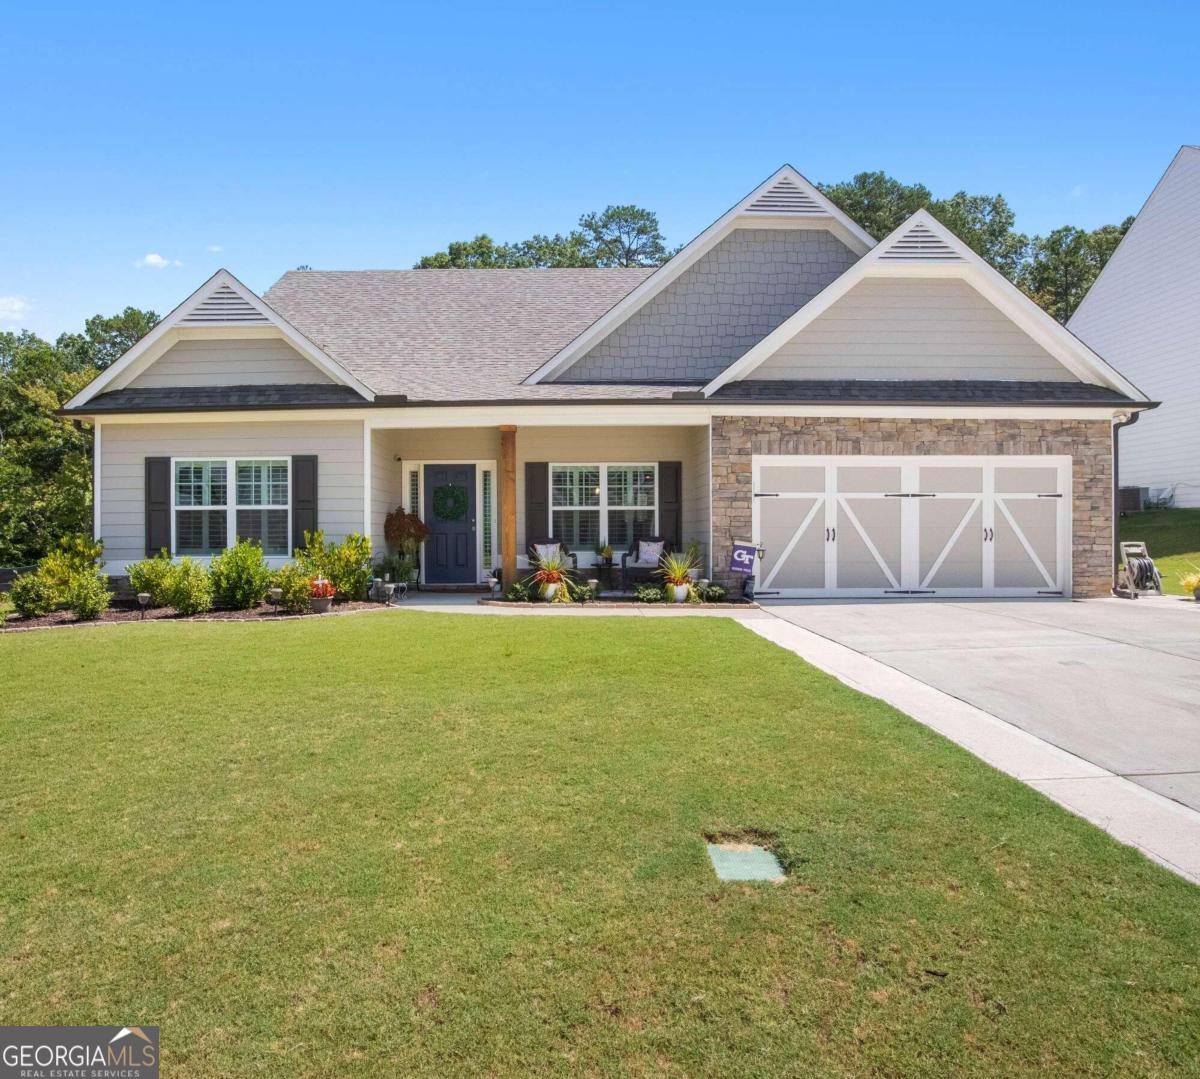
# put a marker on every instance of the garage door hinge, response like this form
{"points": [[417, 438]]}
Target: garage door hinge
{"points": [[766, 494], [913, 494], [910, 591], [1050, 593], [1049, 496]]}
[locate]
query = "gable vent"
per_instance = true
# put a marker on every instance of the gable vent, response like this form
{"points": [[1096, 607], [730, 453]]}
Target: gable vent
{"points": [[785, 197], [223, 304], [921, 244]]}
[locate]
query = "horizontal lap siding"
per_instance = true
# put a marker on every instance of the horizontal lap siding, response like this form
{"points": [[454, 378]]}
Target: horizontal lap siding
{"points": [[230, 363], [928, 328], [124, 447]]}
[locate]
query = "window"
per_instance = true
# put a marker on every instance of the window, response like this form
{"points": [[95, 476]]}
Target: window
{"points": [[198, 529], [486, 516], [262, 504], [261, 507], [594, 502], [574, 489]]}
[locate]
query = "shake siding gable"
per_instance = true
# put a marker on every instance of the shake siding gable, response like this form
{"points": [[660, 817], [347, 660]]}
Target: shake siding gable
{"points": [[735, 295]]}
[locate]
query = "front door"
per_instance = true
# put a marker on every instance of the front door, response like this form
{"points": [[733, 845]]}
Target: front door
{"points": [[450, 517]]}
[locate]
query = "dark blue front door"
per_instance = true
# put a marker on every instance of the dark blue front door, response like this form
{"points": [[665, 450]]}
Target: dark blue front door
{"points": [[450, 517]]}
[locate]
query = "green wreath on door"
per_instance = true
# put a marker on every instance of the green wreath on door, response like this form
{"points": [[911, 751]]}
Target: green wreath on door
{"points": [[450, 502]]}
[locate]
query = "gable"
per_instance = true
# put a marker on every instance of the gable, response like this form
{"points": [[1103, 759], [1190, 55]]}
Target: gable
{"points": [[913, 328], [230, 362], [731, 298]]}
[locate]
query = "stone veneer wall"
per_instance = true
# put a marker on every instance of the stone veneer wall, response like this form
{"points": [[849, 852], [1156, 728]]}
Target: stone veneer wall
{"points": [[735, 439]]}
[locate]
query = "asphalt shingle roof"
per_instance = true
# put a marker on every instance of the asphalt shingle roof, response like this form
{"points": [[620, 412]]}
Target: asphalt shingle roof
{"points": [[204, 398], [447, 335]]}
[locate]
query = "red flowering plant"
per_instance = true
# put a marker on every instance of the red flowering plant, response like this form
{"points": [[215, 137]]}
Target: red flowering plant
{"points": [[319, 588]]}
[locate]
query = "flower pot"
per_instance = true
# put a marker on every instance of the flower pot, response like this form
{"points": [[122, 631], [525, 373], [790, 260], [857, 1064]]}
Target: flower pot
{"points": [[549, 591], [679, 592], [321, 604]]}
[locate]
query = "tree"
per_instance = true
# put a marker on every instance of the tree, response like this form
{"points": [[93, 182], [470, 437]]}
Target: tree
{"points": [[625, 236], [620, 236], [1064, 265], [880, 203], [876, 201], [105, 339], [45, 459]]}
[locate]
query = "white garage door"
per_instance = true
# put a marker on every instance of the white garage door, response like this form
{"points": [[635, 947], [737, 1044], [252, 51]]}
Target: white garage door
{"points": [[902, 526]]}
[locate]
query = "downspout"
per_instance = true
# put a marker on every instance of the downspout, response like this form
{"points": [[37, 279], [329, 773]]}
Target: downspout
{"points": [[1128, 421]]}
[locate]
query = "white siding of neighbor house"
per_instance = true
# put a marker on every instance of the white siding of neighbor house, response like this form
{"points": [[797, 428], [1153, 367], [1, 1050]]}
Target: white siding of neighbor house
{"points": [[1143, 316], [256, 362], [124, 448], [562, 445], [912, 328]]}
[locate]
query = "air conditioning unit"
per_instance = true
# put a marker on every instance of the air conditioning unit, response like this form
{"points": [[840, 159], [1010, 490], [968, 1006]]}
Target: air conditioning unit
{"points": [[1133, 499]]}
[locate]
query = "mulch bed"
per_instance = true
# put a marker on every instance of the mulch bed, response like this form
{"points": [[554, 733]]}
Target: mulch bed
{"points": [[123, 612]]}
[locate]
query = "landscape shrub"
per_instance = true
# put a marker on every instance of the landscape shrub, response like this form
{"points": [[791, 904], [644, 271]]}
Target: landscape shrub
{"points": [[648, 593], [75, 554], [152, 575], [346, 564], [292, 581], [518, 592], [32, 596], [397, 567], [240, 576], [189, 587], [88, 595]]}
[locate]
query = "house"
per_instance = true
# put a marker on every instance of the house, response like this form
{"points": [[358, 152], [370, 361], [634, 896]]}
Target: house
{"points": [[881, 418], [1143, 313]]}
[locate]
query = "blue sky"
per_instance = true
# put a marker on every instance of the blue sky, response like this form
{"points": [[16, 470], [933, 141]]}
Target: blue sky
{"points": [[260, 137]]}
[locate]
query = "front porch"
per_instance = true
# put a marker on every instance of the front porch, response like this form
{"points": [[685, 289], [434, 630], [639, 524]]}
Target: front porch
{"points": [[486, 493]]}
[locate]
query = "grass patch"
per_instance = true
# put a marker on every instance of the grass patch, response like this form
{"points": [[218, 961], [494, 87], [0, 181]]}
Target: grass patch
{"points": [[1173, 537], [407, 843]]}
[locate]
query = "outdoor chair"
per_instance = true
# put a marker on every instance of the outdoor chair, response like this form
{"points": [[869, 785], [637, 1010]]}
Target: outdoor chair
{"points": [[633, 570], [551, 541]]}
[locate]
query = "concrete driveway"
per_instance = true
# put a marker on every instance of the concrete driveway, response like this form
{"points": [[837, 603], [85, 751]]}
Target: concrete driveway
{"points": [[1116, 682]]}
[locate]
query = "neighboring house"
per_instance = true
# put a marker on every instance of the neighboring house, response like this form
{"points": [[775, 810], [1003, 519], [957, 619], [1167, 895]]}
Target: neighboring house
{"points": [[1143, 313], [881, 418]]}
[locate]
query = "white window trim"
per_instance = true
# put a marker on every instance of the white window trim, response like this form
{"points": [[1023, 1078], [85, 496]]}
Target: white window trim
{"points": [[231, 504], [481, 466], [588, 558]]}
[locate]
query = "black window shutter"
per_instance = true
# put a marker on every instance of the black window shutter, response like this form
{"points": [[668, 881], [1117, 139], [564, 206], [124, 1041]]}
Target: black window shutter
{"points": [[158, 505], [304, 498], [537, 499], [670, 503]]}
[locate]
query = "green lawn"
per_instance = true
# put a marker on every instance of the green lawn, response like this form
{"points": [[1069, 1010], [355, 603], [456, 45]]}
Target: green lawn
{"points": [[1173, 537], [399, 843]]}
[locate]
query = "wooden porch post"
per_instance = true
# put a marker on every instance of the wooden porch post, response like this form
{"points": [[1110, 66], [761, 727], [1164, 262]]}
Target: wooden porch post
{"points": [[508, 503]]}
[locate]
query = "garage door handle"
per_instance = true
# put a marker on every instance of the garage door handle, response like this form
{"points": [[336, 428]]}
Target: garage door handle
{"points": [[989, 534], [830, 534]]}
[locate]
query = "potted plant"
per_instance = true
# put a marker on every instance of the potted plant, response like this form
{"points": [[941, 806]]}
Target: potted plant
{"points": [[604, 553], [676, 572], [1191, 583], [550, 577], [320, 593], [405, 532]]}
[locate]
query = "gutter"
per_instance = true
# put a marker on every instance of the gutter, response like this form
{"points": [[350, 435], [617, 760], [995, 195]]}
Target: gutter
{"points": [[402, 401]]}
